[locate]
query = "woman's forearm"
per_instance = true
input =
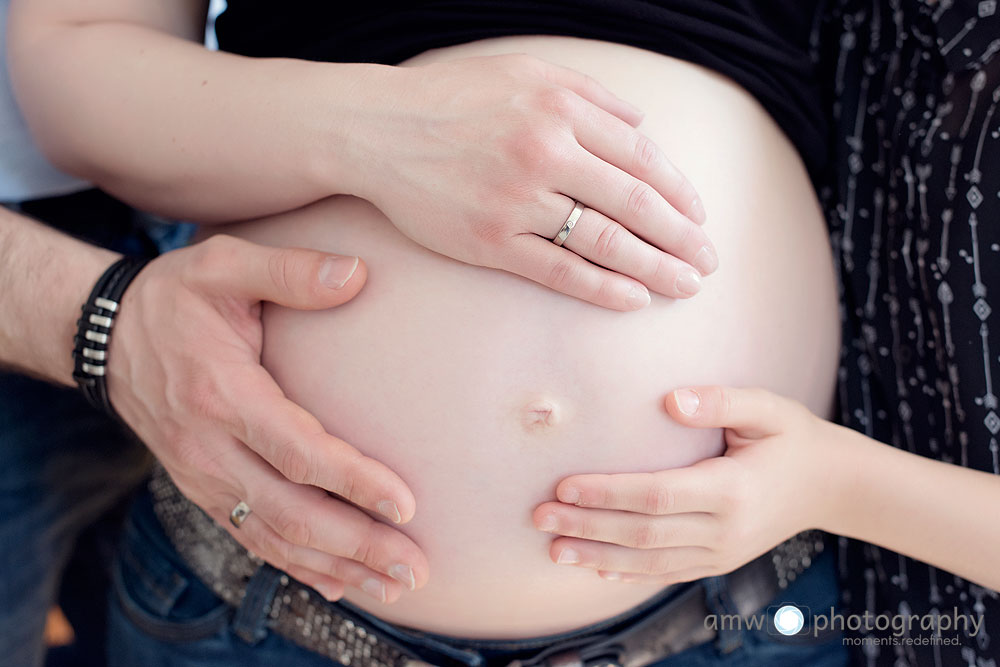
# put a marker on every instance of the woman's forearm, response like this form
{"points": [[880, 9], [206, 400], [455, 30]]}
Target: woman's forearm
{"points": [[936, 512], [176, 128], [478, 158]]}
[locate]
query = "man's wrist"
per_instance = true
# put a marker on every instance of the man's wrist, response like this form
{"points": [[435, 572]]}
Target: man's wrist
{"points": [[86, 269], [45, 276], [95, 328]]}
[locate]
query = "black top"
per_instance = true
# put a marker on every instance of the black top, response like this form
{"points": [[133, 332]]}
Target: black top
{"points": [[915, 222], [763, 46]]}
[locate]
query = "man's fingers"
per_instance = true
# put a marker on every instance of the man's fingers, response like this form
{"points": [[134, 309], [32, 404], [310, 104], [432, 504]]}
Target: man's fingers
{"points": [[676, 491], [328, 587], [255, 536], [296, 444], [295, 525], [750, 413], [591, 90], [308, 517], [293, 277], [316, 568], [325, 573]]}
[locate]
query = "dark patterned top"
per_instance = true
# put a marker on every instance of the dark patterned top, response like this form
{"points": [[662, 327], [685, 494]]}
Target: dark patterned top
{"points": [[915, 220], [763, 45]]}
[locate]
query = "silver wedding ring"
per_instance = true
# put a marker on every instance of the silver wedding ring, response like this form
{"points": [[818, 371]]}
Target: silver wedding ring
{"points": [[570, 223], [239, 514]]}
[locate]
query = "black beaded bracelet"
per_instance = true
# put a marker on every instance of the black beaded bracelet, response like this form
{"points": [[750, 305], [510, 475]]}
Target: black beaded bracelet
{"points": [[93, 331]]}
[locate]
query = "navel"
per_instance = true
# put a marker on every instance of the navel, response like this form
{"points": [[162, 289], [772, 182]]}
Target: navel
{"points": [[540, 414]]}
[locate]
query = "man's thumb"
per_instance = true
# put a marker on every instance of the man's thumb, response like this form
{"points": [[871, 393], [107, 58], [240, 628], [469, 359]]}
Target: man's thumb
{"points": [[293, 277]]}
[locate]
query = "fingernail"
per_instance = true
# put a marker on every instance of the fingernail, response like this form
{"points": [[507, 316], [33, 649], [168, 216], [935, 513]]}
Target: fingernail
{"points": [[636, 110], [698, 211], [388, 509], [548, 523], [404, 575], [706, 260], [568, 557], [326, 592], [688, 282], [374, 588], [336, 271], [638, 296], [687, 401], [571, 496], [611, 576]]}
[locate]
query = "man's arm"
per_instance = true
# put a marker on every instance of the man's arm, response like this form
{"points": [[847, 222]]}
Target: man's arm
{"points": [[184, 373], [44, 278]]}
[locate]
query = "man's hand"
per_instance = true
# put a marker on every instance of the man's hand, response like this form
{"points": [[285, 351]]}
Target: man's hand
{"points": [[708, 518], [184, 372], [481, 159]]}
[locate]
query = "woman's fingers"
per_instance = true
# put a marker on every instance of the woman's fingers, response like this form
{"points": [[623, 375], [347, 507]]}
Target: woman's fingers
{"points": [[751, 414], [693, 488], [635, 205], [606, 243], [628, 529], [591, 90], [614, 558], [619, 144], [297, 445], [564, 271], [690, 574]]}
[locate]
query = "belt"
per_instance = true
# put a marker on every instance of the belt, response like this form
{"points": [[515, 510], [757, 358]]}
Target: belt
{"points": [[672, 622]]}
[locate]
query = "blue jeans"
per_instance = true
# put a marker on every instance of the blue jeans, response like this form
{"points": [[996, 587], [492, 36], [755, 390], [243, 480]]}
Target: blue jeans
{"points": [[62, 465], [161, 615]]}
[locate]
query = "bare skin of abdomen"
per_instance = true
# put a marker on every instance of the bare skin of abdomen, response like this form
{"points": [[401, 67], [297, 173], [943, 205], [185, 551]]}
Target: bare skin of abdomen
{"points": [[483, 389]]}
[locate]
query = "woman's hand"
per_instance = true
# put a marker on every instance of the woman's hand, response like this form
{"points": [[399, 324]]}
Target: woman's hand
{"points": [[185, 374], [709, 518], [481, 159]]}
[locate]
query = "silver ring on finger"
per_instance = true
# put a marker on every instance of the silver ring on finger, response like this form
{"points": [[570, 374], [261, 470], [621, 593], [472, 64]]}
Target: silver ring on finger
{"points": [[239, 514], [570, 223]]}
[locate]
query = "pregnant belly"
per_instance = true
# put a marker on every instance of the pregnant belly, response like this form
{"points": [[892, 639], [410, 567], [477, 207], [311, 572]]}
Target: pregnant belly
{"points": [[482, 389]]}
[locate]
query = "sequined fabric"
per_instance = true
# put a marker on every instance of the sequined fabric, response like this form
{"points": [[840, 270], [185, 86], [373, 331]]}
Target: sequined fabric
{"points": [[296, 611]]}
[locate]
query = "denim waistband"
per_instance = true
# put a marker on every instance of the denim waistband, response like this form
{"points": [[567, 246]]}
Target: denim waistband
{"points": [[267, 600], [503, 651]]}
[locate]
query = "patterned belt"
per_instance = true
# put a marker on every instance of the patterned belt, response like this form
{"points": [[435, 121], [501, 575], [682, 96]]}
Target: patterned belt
{"points": [[656, 629]]}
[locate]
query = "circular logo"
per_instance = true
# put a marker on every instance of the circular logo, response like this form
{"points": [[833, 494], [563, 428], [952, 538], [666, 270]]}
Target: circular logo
{"points": [[788, 620]]}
